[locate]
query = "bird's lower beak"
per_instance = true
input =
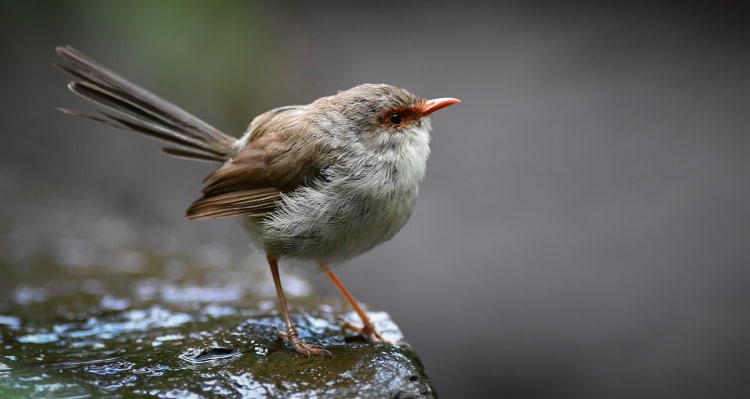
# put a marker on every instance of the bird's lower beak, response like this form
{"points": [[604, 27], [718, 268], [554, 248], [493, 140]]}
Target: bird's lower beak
{"points": [[435, 104]]}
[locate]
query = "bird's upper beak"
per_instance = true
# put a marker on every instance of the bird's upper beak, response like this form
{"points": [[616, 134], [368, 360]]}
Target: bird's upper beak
{"points": [[435, 104]]}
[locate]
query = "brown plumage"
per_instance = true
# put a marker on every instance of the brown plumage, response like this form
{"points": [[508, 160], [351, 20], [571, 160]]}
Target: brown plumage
{"points": [[252, 178]]}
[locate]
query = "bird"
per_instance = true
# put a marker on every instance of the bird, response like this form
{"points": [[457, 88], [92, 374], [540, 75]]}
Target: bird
{"points": [[322, 182]]}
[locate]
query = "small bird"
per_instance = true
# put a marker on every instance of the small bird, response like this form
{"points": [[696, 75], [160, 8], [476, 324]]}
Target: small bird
{"points": [[325, 181]]}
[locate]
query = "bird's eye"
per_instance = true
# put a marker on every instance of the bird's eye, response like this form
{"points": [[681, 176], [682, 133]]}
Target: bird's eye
{"points": [[395, 118]]}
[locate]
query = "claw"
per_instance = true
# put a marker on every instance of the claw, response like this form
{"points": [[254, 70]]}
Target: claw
{"points": [[300, 346], [368, 331], [310, 349]]}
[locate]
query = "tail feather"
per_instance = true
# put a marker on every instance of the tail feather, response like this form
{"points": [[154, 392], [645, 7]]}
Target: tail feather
{"points": [[140, 110]]}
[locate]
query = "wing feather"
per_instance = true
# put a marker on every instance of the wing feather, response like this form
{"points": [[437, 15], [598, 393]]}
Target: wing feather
{"points": [[253, 182]]}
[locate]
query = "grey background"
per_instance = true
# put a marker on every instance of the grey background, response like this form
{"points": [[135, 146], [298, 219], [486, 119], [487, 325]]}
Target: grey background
{"points": [[584, 227]]}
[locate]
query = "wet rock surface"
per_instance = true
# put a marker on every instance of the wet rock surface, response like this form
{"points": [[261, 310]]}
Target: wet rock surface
{"points": [[123, 315], [205, 352]]}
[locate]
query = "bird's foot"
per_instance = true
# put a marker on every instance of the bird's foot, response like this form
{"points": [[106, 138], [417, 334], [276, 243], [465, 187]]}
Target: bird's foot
{"points": [[302, 347], [368, 331]]}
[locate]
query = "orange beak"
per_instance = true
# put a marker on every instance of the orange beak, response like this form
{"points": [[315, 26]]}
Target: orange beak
{"points": [[433, 105]]}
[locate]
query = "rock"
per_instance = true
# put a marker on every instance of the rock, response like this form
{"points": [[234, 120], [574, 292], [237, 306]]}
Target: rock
{"points": [[204, 351], [84, 315]]}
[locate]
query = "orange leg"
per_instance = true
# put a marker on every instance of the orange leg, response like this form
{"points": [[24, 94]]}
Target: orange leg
{"points": [[367, 329], [291, 333]]}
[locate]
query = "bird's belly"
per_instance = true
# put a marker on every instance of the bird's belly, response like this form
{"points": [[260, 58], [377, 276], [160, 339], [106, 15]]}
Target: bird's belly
{"points": [[334, 225]]}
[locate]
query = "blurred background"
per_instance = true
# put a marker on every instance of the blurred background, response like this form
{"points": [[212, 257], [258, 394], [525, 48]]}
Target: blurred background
{"points": [[584, 227]]}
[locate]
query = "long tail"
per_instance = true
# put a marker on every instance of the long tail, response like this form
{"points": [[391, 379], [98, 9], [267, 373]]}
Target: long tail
{"points": [[128, 106]]}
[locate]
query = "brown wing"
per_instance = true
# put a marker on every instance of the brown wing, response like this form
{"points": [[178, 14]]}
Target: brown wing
{"points": [[251, 182]]}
